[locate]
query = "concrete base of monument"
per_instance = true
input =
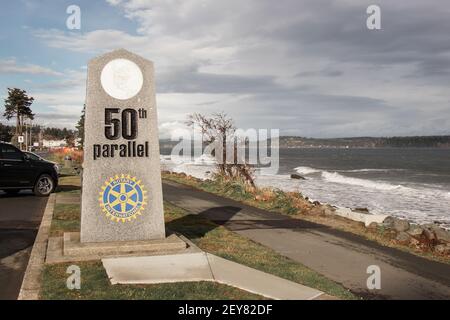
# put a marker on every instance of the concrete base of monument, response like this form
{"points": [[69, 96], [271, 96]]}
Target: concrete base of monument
{"points": [[68, 248]]}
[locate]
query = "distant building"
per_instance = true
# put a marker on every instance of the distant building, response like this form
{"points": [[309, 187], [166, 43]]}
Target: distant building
{"points": [[54, 143]]}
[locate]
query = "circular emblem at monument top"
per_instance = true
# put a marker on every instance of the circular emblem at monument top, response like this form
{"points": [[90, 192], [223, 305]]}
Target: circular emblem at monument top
{"points": [[122, 79], [123, 198]]}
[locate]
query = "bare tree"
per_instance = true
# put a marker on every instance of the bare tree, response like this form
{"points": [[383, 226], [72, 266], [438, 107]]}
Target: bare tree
{"points": [[219, 130]]}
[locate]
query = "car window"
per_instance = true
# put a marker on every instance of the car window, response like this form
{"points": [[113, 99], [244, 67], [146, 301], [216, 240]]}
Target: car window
{"points": [[33, 156], [11, 153]]}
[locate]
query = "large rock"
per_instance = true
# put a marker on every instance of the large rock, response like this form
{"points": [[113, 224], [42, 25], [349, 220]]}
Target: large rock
{"points": [[362, 210], [297, 176], [403, 238], [388, 223], [441, 234], [401, 225], [415, 231], [396, 224], [374, 218], [429, 235]]}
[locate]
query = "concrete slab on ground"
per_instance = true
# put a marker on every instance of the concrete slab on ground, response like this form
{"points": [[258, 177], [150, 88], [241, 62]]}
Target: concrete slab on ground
{"points": [[159, 269], [252, 280], [203, 266]]}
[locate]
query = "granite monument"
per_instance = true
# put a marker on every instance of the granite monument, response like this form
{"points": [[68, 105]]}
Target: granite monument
{"points": [[121, 189]]}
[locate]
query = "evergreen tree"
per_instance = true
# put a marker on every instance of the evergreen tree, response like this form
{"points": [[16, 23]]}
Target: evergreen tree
{"points": [[17, 105], [6, 133], [80, 127]]}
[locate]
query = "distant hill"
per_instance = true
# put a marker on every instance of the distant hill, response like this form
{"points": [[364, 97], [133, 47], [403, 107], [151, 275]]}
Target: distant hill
{"points": [[359, 142], [367, 142]]}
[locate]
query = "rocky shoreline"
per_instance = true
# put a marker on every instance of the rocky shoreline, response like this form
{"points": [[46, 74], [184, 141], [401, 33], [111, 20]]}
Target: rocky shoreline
{"points": [[426, 237], [423, 237]]}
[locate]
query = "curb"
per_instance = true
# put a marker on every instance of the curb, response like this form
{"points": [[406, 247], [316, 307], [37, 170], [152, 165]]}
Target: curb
{"points": [[31, 284]]}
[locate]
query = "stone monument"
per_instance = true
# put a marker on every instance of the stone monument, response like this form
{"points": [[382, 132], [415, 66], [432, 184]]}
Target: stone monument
{"points": [[122, 191]]}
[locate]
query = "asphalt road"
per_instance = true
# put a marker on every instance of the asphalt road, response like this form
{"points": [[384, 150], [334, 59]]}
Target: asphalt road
{"points": [[20, 217], [340, 256]]}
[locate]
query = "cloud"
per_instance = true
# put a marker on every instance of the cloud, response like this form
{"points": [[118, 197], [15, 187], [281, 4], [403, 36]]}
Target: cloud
{"points": [[61, 112], [167, 130], [92, 42], [11, 66], [307, 67], [114, 2], [191, 80], [71, 79], [59, 103]]}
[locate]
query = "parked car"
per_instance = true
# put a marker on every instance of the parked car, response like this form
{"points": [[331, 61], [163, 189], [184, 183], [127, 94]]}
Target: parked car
{"points": [[37, 157], [21, 171]]}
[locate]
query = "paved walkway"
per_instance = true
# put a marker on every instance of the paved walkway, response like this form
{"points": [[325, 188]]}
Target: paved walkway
{"points": [[338, 255]]}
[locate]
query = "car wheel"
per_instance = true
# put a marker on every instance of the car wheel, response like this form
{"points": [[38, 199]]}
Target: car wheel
{"points": [[44, 186]]}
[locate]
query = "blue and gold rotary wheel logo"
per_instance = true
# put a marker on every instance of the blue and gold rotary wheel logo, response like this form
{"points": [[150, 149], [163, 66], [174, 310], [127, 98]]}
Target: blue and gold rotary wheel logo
{"points": [[123, 198]]}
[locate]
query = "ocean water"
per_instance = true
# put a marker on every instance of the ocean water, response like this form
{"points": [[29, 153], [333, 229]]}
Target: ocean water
{"points": [[407, 183]]}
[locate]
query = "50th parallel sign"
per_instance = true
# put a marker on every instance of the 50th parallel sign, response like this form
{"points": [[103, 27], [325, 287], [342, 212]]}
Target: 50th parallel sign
{"points": [[126, 127], [122, 194]]}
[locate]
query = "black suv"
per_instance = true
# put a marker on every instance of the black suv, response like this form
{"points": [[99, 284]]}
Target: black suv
{"points": [[20, 171]]}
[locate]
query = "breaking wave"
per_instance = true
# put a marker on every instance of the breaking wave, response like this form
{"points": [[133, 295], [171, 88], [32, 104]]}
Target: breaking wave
{"points": [[338, 178], [421, 203], [306, 170]]}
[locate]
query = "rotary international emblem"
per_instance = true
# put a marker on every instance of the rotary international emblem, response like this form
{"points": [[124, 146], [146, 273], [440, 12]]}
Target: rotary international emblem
{"points": [[122, 198]]}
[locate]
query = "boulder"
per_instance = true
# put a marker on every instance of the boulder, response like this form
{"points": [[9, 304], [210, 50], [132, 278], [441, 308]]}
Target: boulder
{"points": [[429, 234], [401, 225], [388, 223], [377, 218], [362, 210], [441, 234], [396, 224], [403, 238], [297, 176], [415, 231]]}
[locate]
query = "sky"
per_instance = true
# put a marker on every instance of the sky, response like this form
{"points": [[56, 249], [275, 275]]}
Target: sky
{"points": [[307, 67]]}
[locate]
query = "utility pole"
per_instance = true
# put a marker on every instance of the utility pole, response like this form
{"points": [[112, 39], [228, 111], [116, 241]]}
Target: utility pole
{"points": [[26, 136], [31, 135]]}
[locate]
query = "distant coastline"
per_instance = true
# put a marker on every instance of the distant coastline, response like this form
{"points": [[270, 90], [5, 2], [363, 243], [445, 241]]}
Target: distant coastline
{"points": [[442, 142], [367, 142]]}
